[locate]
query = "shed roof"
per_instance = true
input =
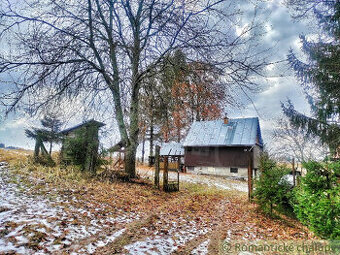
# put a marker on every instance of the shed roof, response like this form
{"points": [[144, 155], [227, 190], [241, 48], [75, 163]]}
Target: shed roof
{"points": [[91, 122], [238, 132], [171, 149]]}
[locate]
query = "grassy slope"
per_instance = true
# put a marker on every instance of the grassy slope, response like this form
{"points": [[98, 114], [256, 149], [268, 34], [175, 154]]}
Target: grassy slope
{"points": [[227, 214]]}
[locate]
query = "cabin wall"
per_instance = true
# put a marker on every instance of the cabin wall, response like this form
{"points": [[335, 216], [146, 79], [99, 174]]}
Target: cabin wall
{"points": [[220, 161], [257, 154], [216, 156], [219, 171]]}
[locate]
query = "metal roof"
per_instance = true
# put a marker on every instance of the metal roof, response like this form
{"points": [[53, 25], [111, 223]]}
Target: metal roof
{"points": [[238, 132], [171, 149], [86, 123]]}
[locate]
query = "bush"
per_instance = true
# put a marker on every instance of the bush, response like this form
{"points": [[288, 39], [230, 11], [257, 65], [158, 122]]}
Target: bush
{"points": [[317, 200], [82, 150], [271, 189], [44, 160], [76, 149]]}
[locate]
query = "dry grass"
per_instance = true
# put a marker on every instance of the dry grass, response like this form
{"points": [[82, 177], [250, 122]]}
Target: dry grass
{"points": [[21, 162]]}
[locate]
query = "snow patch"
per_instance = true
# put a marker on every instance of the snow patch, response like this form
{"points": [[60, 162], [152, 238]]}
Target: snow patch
{"points": [[166, 244], [202, 249], [53, 224], [91, 248]]}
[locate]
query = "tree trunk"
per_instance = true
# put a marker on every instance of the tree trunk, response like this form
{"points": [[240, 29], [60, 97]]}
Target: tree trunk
{"points": [[130, 143], [131, 148], [37, 147], [294, 175], [151, 143], [271, 209], [50, 148], [130, 160], [143, 149], [179, 135], [43, 148]]}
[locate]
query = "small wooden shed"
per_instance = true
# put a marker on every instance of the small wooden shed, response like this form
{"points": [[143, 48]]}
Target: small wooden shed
{"points": [[80, 144], [175, 153]]}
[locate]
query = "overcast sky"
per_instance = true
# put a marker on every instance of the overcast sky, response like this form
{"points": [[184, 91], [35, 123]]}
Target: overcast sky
{"points": [[283, 34]]}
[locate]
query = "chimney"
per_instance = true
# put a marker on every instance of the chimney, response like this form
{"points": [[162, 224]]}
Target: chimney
{"points": [[226, 119]]}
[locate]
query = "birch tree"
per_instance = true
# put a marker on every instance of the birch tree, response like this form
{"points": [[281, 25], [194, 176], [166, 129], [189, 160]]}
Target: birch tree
{"points": [[291, 142]]}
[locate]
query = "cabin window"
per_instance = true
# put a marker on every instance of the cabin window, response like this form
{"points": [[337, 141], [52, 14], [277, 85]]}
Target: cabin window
{"points": [[234, 170]]}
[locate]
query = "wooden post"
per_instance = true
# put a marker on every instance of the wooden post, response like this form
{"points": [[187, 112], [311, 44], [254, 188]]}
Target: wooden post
{"points": [[178, 170], [151, 144], [250, 176], [294, 174], [157, 166], [249, 183], [165, 173]]}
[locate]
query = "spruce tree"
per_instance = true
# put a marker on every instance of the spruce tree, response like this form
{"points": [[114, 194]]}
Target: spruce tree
{"points": [[52, 125], [319, 74]]}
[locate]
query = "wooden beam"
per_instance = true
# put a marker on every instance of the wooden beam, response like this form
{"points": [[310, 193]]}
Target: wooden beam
{"points": [[178, 170]]}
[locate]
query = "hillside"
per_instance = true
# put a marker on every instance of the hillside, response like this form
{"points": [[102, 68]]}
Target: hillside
{"points": [[59, 212]]}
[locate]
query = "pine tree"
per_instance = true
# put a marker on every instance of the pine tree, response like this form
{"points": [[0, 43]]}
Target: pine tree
{"points": [[52, 125], [319, 75]]}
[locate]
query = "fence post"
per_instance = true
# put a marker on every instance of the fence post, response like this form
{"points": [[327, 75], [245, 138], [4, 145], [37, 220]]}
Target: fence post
{"points": [[178, 170], [250, 176], [157, 166], [165, 173]]}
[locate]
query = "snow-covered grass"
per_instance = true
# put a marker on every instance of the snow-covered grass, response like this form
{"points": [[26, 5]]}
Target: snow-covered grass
{"points": [[177, 235], [31, 223], [92, 247], [202, 249]]}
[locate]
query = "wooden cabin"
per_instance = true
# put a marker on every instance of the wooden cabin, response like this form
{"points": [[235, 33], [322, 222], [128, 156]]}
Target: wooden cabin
{"points": [[226, 147], [80, 144]]}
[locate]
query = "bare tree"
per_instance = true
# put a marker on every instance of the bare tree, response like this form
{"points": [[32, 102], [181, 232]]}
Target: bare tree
{"points": [[307, 8], [102, 50], [290, 142]]}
